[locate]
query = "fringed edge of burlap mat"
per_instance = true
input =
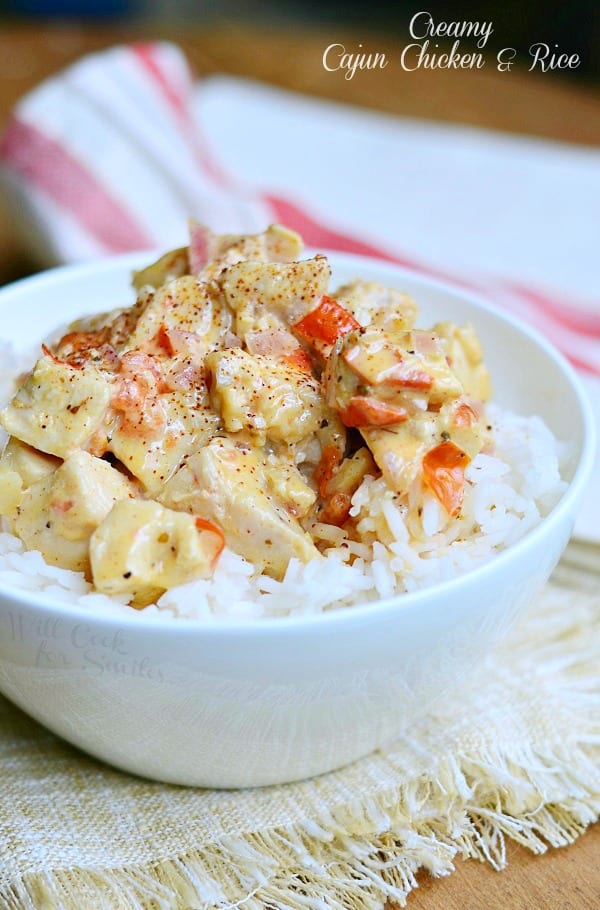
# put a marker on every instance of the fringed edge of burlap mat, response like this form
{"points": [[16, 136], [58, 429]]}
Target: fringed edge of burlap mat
{"points": [[370, 853], [321, 867]]}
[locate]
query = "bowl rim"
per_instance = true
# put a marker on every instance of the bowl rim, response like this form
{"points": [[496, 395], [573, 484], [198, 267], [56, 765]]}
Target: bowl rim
{"points": [[360, 612]]}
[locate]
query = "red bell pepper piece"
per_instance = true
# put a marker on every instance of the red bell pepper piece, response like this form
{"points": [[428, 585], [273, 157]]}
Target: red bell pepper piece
{"points": [[325, 324], [444, 473], [364, 411]]}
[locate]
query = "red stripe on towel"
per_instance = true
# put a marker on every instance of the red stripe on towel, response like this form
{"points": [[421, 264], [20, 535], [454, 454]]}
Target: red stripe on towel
{"points": [[59, 175], [576, 319], [148, 56]]}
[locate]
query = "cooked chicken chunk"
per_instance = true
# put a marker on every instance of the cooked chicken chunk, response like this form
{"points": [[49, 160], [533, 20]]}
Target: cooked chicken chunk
{"points": [[210, 254], [155, 430], [375, 305], [180, 308], [265, 397], [272, 295], [111, 328], [58, 514], [11, 491], [20, 467], [398, 449], [59, 407], [172, 265], [282, 244], [465, 357], [463, 422], [142, 549], [229, 483], [285, 483], [29, 464]]}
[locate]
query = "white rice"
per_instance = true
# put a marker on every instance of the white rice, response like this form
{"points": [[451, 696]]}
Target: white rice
{"points": [[505, 496]]}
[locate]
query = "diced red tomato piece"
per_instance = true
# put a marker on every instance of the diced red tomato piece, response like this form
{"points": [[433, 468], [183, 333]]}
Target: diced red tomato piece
{"points": [[408, 377], [325, 324], [337, 509], [364, 411], [331, 457], [444, 474]]}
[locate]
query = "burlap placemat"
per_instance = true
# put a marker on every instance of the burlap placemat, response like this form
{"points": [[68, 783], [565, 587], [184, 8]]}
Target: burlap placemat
{"points": [[516, 756]]}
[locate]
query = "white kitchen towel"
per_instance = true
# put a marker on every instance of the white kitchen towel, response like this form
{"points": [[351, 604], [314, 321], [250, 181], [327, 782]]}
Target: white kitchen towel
{"points": [[119, 150]]}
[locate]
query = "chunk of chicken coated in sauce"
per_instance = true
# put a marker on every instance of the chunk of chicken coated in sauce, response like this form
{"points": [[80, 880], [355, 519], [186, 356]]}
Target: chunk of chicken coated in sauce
{"points": [[210, 254], [255, 503], [158, 417], [142, 549], [152, 440], [20, 467], [264, 397], [59, 407], [465, 357], [173, 264], [184, 313], [272, 295], [30, 464], [399, 449], [58, 514], [375, 305]]}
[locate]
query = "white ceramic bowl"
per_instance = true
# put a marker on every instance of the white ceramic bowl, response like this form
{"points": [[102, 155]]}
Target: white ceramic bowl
{"points": [[250, 703]]}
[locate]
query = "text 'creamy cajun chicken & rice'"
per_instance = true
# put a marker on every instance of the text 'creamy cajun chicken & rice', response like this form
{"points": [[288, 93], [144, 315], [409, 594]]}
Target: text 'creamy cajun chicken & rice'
{"points": [[241, 410]]}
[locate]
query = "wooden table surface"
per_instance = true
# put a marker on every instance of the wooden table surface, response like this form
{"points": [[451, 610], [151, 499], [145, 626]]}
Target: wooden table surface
{"points": [[537, 105]]}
